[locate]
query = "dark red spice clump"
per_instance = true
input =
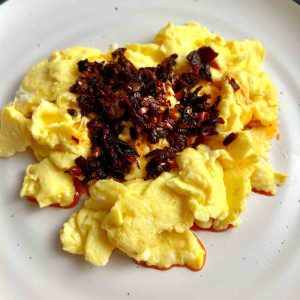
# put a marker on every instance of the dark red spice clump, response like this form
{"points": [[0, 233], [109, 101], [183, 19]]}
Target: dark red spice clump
{"points": [[114, 159], [233, 83], [230, 138], [75, 139], [162, 160], [72, 112], [113, 92], [199, 67]]}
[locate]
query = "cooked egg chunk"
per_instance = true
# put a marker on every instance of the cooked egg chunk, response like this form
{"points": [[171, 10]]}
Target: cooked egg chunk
{"points": [[53, 128], [199, 181], [46, 183], [14, 132], [82, 234], [148, 226]]}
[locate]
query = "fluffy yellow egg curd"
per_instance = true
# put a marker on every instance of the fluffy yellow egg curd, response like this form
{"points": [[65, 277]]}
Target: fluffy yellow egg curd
{"points": [[149, 220]]}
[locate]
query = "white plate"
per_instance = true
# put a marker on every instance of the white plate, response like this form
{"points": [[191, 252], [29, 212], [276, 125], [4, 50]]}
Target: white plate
{"points": [[260, 260]]}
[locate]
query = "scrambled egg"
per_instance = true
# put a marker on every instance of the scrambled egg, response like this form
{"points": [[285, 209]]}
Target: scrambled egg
{"points": [[150, 221], [39, 182]]}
